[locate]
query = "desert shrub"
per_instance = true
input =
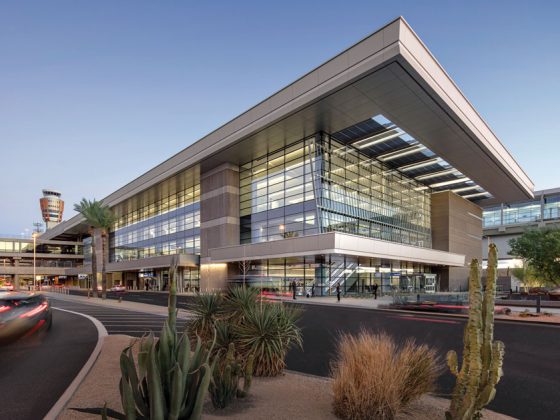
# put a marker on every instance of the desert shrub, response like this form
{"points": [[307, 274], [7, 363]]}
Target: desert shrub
{"points": [[374, 378], [267, 332]]}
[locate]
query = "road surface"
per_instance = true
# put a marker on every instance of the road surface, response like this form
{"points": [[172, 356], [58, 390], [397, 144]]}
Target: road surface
{"points": [[36, 371]]}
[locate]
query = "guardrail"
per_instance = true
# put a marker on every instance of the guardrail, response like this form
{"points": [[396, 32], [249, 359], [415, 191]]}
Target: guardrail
{"points": [[60, 289]]}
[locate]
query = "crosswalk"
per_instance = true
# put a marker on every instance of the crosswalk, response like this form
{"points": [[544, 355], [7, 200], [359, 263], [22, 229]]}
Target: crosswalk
{"points": [[121, 321]]}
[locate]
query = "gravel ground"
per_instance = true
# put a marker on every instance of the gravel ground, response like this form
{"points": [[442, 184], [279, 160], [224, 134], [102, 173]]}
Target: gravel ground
{"points": [[290, 396]]}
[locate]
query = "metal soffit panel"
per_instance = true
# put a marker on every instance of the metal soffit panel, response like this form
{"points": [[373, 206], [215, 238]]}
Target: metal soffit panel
{"points": [[390, 93]]}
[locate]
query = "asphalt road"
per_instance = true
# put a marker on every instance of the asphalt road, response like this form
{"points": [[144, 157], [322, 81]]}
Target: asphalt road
{"points": [[120, 321], [531, 384], [530, 388], [36, 371]]}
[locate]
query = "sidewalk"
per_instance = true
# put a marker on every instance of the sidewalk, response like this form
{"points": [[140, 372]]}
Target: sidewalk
{"points": [[112, 303], [384, 302]]}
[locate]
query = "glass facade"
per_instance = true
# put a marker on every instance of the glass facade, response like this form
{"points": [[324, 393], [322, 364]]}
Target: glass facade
{"points": [[362, 196], [162, 220], [26, 246], [277, 194], [319, 275], [521, 213], [320, 185]]}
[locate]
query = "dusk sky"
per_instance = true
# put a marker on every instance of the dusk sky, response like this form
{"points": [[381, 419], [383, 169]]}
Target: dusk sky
{"points": [[95, 93]]}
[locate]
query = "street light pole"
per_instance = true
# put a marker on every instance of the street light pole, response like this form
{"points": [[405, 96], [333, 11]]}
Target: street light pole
{"points": [[34, 260]]}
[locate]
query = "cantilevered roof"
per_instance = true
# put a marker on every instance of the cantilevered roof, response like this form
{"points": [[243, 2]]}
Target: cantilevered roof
{"points": [[382, 140], [389, 73]]}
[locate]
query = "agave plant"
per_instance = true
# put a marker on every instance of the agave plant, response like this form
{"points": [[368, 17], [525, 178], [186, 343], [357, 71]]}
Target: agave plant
{"points": [[168, 381], [207, 309], [267, 332]]}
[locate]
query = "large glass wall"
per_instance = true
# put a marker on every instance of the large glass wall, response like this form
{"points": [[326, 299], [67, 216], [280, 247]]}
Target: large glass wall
{"points": [[277, 198], [319, 185], [162, 220], [361, 196], [521, 213], [43, 247], [319, 275]]}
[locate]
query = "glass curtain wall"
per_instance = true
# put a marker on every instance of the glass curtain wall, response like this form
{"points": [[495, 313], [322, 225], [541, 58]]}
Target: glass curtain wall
{"points": [[277, 194], [319, 275], [162, 220], [283, 193], [361, 196]]}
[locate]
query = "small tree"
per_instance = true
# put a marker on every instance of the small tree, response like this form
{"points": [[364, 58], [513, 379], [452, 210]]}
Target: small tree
{"points": [[244, 267], [540, 250], [100, 219]]}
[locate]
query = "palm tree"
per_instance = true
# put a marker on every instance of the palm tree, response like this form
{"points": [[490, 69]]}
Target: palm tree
{"points": [[100, 219]]}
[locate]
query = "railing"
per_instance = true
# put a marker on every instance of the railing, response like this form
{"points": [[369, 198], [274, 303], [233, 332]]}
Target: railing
{"points": [[59, 289]]}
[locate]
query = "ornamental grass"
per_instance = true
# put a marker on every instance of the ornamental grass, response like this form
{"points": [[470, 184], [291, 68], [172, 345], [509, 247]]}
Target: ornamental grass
{"points": [[374, 378]]}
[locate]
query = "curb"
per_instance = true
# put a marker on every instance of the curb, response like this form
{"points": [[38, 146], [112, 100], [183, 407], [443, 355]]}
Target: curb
{"points": [[57, 408], [183, 313], [446, 315]]}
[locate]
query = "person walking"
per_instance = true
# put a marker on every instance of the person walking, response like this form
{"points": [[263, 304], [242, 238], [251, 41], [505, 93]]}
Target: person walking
{"points": [[294, 289], [313, 290], [338, 292], [375, 286]]}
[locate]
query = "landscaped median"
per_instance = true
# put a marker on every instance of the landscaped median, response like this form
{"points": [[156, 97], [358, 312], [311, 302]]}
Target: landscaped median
{"points": [[288, 396]]}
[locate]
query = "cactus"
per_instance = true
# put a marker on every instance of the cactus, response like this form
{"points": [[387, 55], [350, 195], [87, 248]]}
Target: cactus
{"points": [[228, 371], [168, 381], [481, 369]]}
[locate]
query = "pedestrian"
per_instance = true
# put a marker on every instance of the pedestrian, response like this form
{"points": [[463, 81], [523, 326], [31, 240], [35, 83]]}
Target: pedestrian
{"points": [[338, 292], [375, 286], [313, 290], [294, 289]]}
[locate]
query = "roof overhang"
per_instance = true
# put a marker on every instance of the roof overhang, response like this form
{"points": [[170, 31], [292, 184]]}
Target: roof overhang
{"points": [[333, 243], [390, 72]]}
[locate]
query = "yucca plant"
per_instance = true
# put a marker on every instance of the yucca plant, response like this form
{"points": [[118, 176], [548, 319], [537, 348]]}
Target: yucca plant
{"points": [[239, 300], [168, 382], [206, 309], [267, 332]]}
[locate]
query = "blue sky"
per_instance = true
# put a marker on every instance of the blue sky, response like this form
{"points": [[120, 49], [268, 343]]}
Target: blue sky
{"points": [[95, 93]]}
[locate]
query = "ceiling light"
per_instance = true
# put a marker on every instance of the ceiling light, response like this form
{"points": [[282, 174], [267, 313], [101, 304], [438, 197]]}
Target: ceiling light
{"points": [[378, 138], [403, 152], [472, 187], [450, 182], [437, 174]]}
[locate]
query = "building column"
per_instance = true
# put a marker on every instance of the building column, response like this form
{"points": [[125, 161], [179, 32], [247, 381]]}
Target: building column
{"points": [[16, 275], [219, 220], [456, 227]]}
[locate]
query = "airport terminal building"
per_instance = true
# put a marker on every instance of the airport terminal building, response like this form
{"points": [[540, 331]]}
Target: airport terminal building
{"points": [[372, 168]]}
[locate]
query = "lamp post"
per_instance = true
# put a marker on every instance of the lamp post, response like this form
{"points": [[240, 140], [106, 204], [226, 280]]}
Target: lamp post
{"points": [[34, 260]]}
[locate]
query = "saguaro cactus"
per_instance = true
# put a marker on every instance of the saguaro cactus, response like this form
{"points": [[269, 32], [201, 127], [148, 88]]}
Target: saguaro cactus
{"points": [[481, 369]]}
